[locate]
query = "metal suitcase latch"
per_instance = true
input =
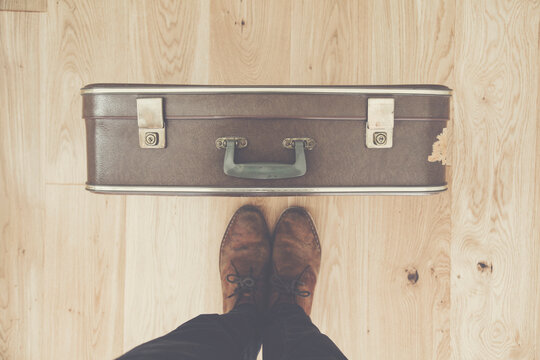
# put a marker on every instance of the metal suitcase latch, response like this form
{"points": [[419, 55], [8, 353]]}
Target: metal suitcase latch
{"points": [[150, 121], [380, 123]]}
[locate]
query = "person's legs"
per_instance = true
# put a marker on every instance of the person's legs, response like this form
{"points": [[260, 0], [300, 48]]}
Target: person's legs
{"points": [[290, 334], [233, 336], [296, 258], [243, 263]]}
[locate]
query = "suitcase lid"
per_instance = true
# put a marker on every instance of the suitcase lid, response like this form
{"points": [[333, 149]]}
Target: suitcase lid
{"points": [[412, 102]]}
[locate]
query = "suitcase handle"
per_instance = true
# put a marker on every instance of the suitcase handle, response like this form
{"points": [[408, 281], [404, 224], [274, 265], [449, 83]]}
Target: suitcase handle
{"points": [[265, 170]]}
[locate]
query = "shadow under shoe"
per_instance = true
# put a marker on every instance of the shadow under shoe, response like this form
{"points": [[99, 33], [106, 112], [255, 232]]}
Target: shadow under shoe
{"points": [[296, 259], [244, 259]]}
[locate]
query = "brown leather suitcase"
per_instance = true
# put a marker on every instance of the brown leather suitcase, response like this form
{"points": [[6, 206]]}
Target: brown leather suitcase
{"points": [[264, 140]]}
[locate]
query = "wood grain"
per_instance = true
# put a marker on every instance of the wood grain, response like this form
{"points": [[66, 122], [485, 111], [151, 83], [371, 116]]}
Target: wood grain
{"points": [[86, 43], [328, 43], [537, 202], [495, 249], [179, 280], [409, 255], [448, 276], [168, 42], [83, 279], [250, 42], [23, 5], [411, 43], [21, 187]]}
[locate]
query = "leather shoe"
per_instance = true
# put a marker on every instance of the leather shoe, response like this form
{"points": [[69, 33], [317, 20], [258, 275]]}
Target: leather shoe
{"points": [[296, 259], [244, 259]]}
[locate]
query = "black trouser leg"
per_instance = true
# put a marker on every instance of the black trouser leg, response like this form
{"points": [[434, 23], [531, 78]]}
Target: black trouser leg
{"points": [[231, 336], [290, 335]]}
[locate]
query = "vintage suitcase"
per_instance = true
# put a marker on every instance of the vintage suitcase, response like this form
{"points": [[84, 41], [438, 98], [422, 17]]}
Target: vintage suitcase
{"points": [[264, 140]]}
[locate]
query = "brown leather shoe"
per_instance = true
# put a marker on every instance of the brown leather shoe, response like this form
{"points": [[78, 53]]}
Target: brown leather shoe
{"points": [[296, 259], [244, 259]]}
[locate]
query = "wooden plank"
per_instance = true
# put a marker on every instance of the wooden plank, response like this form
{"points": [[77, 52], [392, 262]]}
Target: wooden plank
{"points": [[171, 255], [21, 187], [495, 250], [84, 257], [164, 49], [83, 274], [328, 45], [407, 295], [170, 43], [181, 278], [87, 43], [411, 43], [250, 42], [385, 260], [408, 270], [536, 254], [23, 5]]}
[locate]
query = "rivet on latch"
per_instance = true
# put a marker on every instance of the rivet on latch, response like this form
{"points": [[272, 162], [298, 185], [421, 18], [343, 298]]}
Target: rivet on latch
{"points": [[379, 138], [151, 138]]}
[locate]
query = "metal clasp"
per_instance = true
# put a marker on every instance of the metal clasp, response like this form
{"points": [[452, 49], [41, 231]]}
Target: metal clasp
{"points": [[240, 142], [380, 123], [150, 121], [309, 143]]}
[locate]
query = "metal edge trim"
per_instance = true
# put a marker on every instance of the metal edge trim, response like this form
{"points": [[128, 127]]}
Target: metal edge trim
{"points": [[403, 190], [216, 90], [248, 117]]}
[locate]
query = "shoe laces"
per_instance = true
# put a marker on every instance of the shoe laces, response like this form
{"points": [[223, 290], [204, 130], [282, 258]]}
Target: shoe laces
{"points": [[244, 284], [289, 287]]}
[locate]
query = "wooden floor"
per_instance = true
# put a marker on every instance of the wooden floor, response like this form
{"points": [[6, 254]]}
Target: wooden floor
{"points": [[456, 275]]}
